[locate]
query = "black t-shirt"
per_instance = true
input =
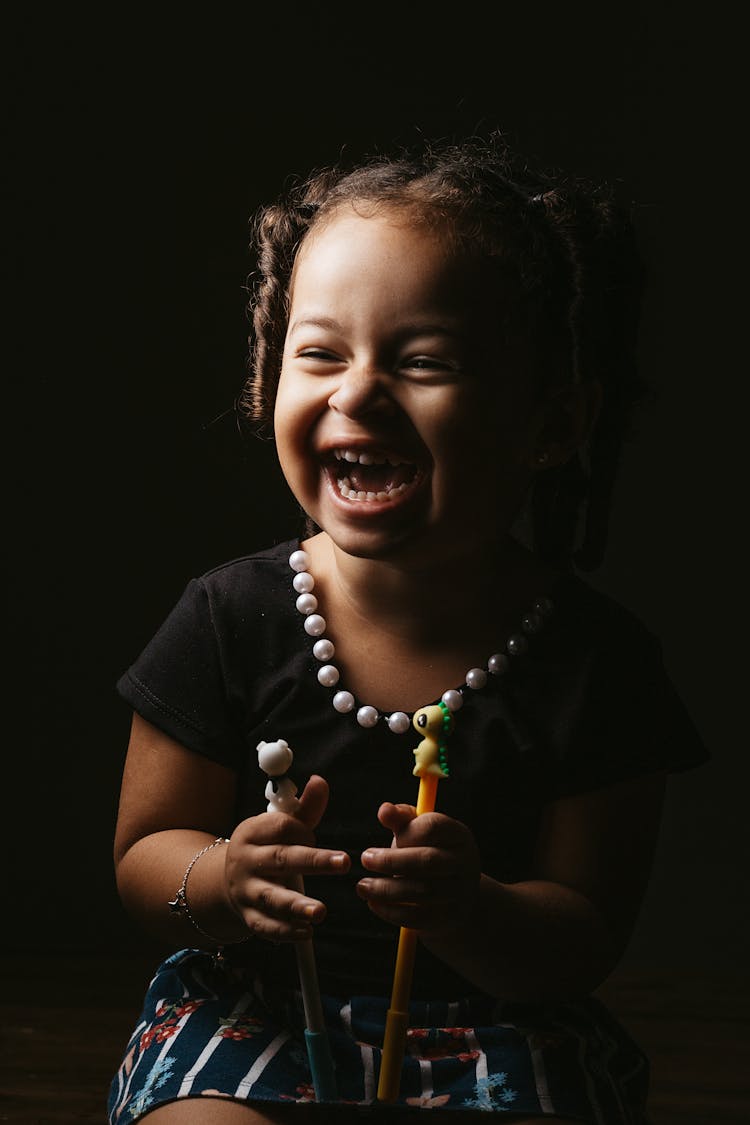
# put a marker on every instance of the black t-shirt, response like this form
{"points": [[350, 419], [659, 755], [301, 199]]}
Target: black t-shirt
{"points": [[588, 704]]}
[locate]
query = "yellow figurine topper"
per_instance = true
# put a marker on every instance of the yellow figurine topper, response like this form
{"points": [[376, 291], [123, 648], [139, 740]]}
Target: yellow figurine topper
{"points": [[435, 721]]}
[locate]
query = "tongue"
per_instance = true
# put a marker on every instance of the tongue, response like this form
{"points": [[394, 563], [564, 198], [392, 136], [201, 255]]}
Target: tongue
{"points": [[379, 478]]}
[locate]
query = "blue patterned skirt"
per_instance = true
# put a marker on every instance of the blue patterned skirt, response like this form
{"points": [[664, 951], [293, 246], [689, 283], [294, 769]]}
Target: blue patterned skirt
{"points": [[210, 1030]]}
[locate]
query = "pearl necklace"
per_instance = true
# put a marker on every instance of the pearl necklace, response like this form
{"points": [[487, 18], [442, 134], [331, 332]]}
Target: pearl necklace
{"points": [[399, 721]]}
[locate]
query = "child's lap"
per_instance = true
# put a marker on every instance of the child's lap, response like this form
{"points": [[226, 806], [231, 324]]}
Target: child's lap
{"points": [[210, 1033], [193, 1111]]}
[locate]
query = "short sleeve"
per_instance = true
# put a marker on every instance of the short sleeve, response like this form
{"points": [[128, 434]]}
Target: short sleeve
{"points": [[177, 682], [629, 719]]}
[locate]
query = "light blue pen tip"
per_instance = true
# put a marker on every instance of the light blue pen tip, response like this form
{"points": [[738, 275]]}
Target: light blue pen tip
{"points": [[321, 1066]]}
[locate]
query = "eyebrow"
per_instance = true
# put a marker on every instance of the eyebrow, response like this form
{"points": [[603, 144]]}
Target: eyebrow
{"points": [[402, 330], [316, 322]]}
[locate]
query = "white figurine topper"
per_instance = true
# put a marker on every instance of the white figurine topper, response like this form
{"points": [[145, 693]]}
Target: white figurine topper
{"points": [[275, 758]]}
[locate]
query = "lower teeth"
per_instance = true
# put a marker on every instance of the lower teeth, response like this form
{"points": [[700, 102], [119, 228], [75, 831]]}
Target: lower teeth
{"points": [[346, 490]]}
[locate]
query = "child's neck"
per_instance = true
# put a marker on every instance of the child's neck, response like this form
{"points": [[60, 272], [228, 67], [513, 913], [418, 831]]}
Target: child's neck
{"points": [[425, 603], [405, 635]]}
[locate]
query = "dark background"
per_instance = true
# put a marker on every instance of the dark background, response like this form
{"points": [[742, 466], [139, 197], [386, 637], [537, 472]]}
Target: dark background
{"points": [[138, 152]]}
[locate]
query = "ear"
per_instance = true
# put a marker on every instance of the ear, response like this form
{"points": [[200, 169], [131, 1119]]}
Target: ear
{"points": [[564, 422]]}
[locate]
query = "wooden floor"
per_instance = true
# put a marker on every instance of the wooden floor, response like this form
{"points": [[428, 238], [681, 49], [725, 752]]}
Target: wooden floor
{"points": [[60, 1047]]}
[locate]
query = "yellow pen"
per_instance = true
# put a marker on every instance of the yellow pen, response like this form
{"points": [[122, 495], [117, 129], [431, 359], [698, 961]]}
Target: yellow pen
{"points": [[434, 721]]}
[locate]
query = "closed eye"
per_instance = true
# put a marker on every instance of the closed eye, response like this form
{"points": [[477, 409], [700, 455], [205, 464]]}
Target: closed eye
{"points": [[317, 353], [426, 363], [430, 367]]}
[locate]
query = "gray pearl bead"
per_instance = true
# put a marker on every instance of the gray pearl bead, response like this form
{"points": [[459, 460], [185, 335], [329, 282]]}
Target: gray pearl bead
{"points": [[476, 678]]}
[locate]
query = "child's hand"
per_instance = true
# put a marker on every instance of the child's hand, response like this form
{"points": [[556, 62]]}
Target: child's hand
{"points": [[267, 857], [430, 878]]}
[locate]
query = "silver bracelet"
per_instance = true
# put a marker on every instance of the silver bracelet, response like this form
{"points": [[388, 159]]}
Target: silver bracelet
{"points": [[179, 904]]}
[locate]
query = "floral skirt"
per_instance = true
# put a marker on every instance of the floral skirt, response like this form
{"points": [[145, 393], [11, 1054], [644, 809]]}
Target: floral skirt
{"points": [[210, 1030]]}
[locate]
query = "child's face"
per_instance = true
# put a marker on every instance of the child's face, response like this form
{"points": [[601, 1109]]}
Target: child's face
{"points": [[404, 418]]}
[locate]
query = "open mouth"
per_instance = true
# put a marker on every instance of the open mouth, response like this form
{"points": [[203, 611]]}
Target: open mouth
{"points": [[365, 475]]}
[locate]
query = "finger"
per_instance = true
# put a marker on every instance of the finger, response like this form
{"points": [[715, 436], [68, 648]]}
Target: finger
{"points": [[411, 915], [431, 828], [276, 930], [284, 861], [431, 863], [313, 801], [276, 912], [403, 890], [271, 828], [258, 900]]}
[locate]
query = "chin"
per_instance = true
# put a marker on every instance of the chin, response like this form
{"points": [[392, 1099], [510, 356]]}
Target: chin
{"points": [[371, 545], [412, 546], [379, 531]]}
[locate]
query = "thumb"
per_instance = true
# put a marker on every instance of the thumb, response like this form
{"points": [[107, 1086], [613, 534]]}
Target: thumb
{"points": [[313, 801], [396, 818]]}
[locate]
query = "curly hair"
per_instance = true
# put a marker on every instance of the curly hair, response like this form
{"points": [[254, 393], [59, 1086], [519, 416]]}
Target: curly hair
{"points": [[568, 246]]}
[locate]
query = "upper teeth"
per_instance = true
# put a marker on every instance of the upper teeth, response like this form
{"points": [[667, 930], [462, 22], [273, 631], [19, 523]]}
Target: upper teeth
{"points": [[365, 458]]}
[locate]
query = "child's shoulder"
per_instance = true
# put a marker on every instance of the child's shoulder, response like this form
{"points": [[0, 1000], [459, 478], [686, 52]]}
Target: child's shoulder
{"points": [[244, 587], [598, 619], [268, 564]]}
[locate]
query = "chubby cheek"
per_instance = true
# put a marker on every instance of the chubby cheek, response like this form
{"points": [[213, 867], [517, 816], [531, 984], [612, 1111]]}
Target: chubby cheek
{"points": [[294, 422], [480, 462]]}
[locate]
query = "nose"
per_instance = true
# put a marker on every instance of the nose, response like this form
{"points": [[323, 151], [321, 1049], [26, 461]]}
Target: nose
{"points": [[361, 390]]}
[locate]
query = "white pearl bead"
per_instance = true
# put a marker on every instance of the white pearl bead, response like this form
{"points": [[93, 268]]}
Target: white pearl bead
{"points": [[453, 699], [328, 675], [323, 649], [303, 582], [343, 701], [306, 603], [498, 663], [476, 678], [367, 716], [298, 561], [543, 606], [398, 722], [315, 625], [531, 623]]}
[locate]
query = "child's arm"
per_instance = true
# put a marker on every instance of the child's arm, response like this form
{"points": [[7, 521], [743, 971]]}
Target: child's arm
{"points": [[554, 936], [173, 803]]}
